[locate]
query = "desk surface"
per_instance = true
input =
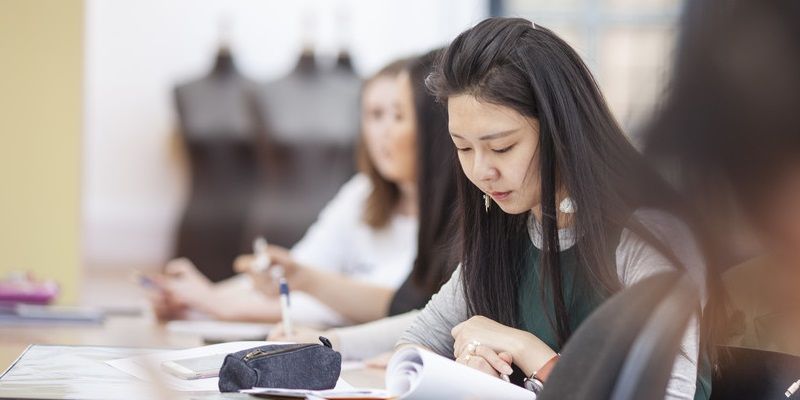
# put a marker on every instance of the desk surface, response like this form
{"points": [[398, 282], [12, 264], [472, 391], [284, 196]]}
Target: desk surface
{"points": [[140, 331]]}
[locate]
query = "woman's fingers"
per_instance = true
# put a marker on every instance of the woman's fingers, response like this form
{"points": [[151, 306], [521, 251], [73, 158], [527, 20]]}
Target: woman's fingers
{"points": [[477, 362], [180, 266], [495, 361], [279, 258], [243, 263]]}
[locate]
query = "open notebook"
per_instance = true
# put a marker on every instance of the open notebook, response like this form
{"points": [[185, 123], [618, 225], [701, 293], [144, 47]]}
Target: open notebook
{"points": [[414, 373]]}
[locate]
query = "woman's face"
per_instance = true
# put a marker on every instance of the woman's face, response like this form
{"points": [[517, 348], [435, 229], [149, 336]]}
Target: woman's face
{"points": [[497, 149], [389, 124]]}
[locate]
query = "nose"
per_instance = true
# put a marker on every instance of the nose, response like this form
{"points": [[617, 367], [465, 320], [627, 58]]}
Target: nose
{"points": [[486, 172]]}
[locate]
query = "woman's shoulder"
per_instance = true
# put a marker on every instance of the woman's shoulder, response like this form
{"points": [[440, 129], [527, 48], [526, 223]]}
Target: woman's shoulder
{"points": [[663, 224], [640, 254], [357, 187], [348, 204], [666, 228]]}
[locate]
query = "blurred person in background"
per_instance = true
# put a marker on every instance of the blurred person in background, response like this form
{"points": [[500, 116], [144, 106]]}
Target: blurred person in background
{"points": [[729, 132], [437, 170], [367, 233]]}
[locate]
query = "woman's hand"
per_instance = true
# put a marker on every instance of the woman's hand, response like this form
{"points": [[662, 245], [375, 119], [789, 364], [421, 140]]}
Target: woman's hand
{"points": [[302, 335], [183, 287], [165, 306], [264, 281], [489, 340], [488, 361]]}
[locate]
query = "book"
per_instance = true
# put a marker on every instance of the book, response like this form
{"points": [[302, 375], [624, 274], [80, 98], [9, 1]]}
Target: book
{"points": [[414, 373], [34, 314]]}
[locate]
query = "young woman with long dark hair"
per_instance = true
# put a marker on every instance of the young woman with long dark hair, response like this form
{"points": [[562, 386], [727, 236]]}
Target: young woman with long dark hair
{"points": [[558, 210]]}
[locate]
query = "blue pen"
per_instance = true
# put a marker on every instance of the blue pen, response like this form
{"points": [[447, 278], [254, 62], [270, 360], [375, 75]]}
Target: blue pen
{"points": [[147, 282], [285, 313]]}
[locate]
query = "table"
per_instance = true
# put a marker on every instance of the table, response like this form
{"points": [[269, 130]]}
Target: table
{"points": [[137, 333]]}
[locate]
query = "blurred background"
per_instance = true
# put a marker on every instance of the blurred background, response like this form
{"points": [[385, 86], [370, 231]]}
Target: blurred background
{"points": [[137, 131]]}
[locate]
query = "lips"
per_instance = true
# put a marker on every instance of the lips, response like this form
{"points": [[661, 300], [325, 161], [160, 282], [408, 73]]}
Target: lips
{"points": [[500, 196]]}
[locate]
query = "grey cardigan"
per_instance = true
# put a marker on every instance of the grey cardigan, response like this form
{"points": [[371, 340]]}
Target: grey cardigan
{"points": [[635, 260]]}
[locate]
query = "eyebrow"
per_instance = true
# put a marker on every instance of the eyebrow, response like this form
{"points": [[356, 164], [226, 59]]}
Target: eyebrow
{"points": [[490, 136]]}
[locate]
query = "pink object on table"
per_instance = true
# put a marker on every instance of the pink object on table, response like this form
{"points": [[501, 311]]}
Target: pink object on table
{"points": [[18, 289]]}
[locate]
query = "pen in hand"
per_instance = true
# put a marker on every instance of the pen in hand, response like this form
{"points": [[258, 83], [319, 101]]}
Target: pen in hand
{"points": [[285, 312]]}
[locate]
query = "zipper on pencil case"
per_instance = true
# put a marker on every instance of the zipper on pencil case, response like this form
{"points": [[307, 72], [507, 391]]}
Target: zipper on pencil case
{"points": [[256, 354]]}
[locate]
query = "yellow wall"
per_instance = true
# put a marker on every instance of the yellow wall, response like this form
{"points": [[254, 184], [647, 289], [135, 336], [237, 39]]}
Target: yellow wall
{"points": [[41, 79]]}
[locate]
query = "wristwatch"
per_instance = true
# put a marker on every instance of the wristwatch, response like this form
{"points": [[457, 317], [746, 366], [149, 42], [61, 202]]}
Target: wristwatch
{"points": [[535, 382]]}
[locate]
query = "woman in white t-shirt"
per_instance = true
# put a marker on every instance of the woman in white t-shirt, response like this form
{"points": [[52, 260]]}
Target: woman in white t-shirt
{"points": [[367, 233]]}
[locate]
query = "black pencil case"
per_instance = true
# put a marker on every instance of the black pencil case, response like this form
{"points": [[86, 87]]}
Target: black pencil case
{"points": [[289, 366]]}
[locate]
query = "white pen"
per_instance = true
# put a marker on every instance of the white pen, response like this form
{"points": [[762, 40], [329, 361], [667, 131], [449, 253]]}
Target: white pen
{"points": [[285, 313], [262, 259], [792, 389]]}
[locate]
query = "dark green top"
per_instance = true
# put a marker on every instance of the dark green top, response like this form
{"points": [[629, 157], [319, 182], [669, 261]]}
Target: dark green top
{"points": [[537, 310]]}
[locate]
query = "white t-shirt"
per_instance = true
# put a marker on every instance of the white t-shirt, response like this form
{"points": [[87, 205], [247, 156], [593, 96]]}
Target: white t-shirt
{"points": [[340, 241]]}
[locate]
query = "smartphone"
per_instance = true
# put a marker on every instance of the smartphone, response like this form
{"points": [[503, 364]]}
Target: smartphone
{"points": [[195, 368]]}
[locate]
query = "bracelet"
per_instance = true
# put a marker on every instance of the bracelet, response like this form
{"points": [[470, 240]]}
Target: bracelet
{"points": [[535, 382], [544, 372]]}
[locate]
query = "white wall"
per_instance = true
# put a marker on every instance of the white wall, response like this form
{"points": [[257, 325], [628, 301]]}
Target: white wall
{"points": [[136, 51]]}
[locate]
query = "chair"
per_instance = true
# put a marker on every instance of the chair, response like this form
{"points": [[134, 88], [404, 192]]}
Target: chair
{"points": [[627, 346]]}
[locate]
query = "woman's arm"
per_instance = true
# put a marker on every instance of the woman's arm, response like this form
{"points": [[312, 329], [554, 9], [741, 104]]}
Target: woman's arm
{"points": [[637, 260], [183, 288], [371, 339], [446, 309], [356, 300]]}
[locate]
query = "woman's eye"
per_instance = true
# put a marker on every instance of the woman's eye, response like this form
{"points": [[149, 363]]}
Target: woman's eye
{"points": [[503, 150], [463, 149]]}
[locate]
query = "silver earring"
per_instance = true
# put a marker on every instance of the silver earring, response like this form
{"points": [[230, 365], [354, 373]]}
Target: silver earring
{"points": [[487, 201], [567, 206]]}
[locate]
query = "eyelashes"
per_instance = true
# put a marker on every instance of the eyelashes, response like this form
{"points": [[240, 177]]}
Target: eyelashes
{"points": [[499, 151]]}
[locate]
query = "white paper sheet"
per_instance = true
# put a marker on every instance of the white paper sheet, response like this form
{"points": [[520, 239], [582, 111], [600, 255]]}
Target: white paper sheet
{"points": [[353, 365], [148, 367], [415, 373], [339, 392]]}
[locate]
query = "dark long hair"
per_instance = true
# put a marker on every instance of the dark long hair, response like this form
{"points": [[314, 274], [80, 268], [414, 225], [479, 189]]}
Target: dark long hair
{"points": [[436, 181], [509, 62]]}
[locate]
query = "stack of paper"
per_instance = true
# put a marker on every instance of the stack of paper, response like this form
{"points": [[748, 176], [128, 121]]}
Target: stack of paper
{"points": [[339, 392], [148, 367], [414, 373]]}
